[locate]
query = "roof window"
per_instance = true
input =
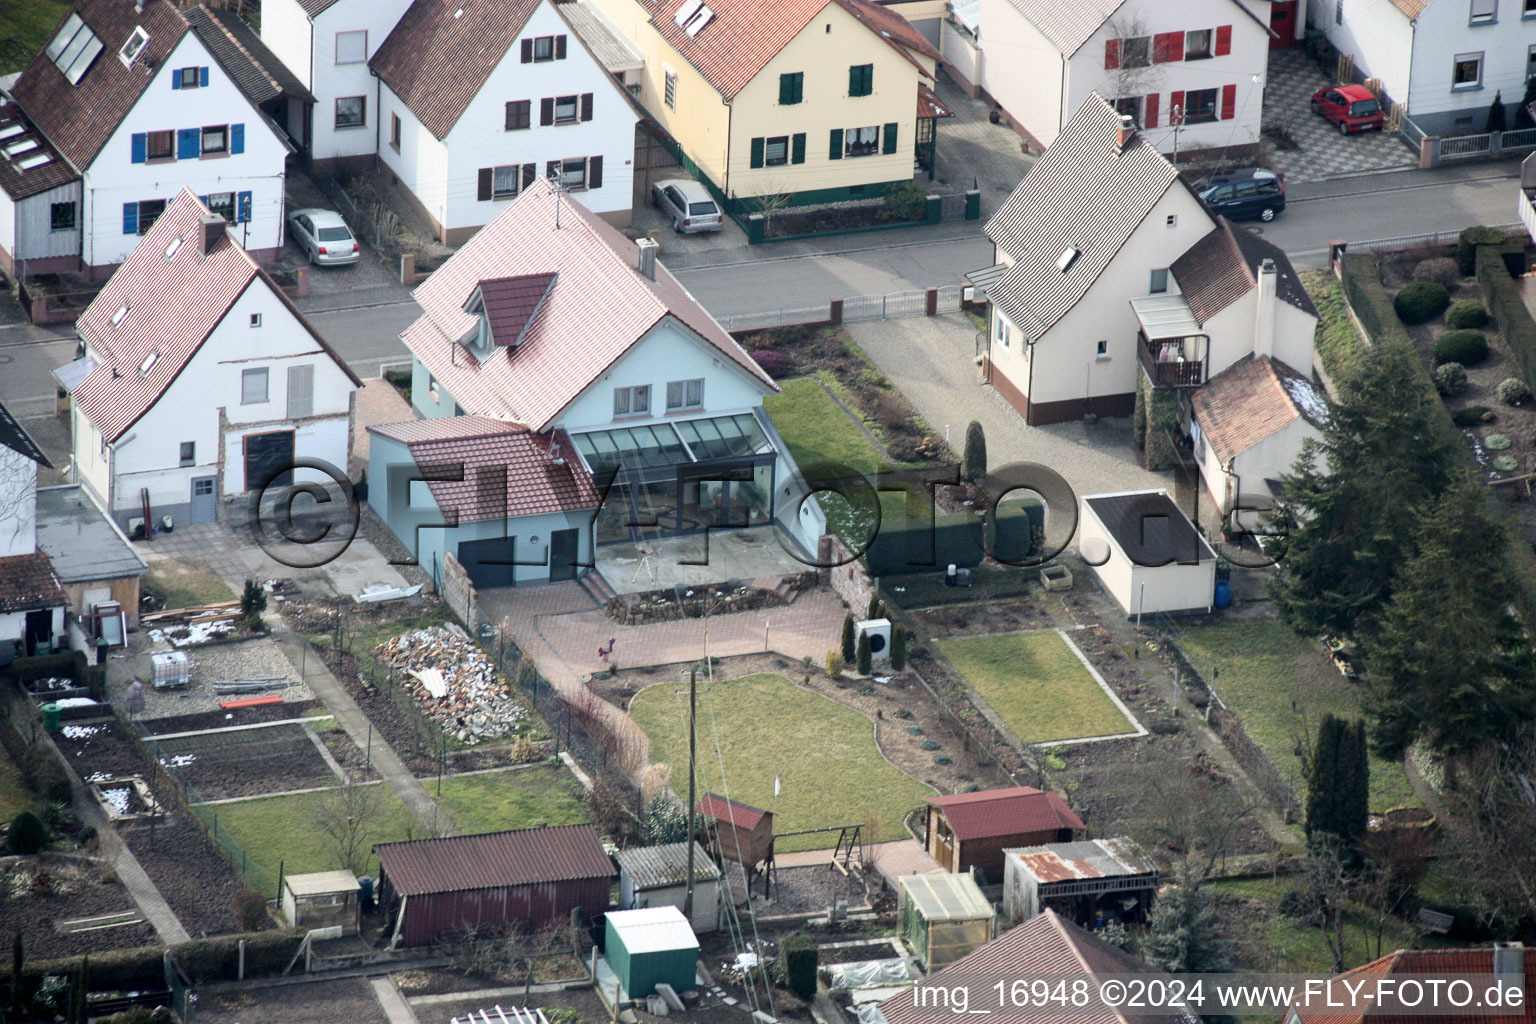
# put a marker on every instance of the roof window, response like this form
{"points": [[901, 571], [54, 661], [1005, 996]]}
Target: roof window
{"points": [[175, 247], [134, 46], [117, 317], [74, 49], [149, 363], [698, 21], [1067, 258]]}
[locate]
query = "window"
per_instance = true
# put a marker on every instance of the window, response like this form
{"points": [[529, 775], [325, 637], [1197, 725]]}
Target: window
{"points": [[149, 212], [1199, 106], [188, 453], [432, 387], [685, 394], [861, 79], [567, 109], [352, 47], [1530, 63], [160, 146], [301, 391], [791, 88], [1136, 52], [1197, 44], [669, 88], [1002, 331], [223, 204], [255, 319], [134, 46], [1484, 12], [543, 48], [1467, 71], [573, 172], [174, 248], [635, 401], [351, 111], [253, 386], [776, 151], [394, 132], [861, 141], [1338, 12], [121, 314], [1068, 257], [1129, 105], [1172, 221], [61, 216], [1528, 9], [215, 139], [504, 181], [1102, 350], [1159, 282], [189, 78], [519, 115]]}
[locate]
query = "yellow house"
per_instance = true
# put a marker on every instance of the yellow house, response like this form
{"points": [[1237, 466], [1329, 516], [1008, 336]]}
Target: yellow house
{"points": [[815, 101]]}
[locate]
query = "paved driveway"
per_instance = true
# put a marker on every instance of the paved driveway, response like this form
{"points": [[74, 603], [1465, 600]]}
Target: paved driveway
{"points": [[1323, 152]]}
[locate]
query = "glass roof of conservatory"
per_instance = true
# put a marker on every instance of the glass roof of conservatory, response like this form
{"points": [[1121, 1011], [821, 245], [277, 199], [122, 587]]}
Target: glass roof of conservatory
{"points": [[674, 443]]}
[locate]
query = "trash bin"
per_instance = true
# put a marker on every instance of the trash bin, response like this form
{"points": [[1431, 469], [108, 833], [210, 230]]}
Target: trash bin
{"points": [[50, 718]]}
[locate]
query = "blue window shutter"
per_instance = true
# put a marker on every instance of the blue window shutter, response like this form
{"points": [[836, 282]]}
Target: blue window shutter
{"points": [[203, 200], [176, 80], [237, 138], [189, 144], [140, 146], [130, 218], [202, 77], [243, 211]]}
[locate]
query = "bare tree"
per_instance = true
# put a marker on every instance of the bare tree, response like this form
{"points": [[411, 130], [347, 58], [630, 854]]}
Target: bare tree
{"points": [[1397, 859], [1134, 75], [18, 494], [1193, 816], [1329, 888], [346, 816], [1491, 827]]}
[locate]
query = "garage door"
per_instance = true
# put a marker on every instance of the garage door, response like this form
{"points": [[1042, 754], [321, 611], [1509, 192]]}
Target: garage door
{"points": [[488, 562], [268, 460]]}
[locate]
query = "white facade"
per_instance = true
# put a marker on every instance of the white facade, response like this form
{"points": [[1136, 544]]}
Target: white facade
{"points": [[1167, 588], [1245, 478], [13, 625], [18, 503], [1222, 57], [448, 176]]}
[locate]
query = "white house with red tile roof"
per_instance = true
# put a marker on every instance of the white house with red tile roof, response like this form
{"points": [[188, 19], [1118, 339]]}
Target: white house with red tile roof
{"points": [[555, 357], [32, 601], [132, 102], [200, 379]]}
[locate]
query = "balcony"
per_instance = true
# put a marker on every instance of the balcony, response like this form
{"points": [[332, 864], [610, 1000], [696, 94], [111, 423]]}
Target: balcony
{"points": [[1165, 362]]}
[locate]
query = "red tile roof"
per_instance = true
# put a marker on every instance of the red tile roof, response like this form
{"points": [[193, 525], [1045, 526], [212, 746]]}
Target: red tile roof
{"points": [[173, 305], [595, 311], [1432, 962], [511, 302], [1222, 267], [490, 860], [1046, 944], [721, 809], [1005, 812], [79, 119], [27, 583], [928, 105], [436, 59], [1249, 401], [503, 470]]}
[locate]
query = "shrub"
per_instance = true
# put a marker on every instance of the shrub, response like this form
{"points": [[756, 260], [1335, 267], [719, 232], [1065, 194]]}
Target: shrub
{"points": [[1421, 301], [1466, 313], [524, 751], [1505, 463], [865, 659], [906, 200], [251, 910], [835, 663], [850, 646], [899, 646], [1467, 243], [1471, 416], [973, 461], [1513, 391], [930, 744], [800, 963], [1497, 442], [1439, 269], [28, 834], [44, 776], [1465, 347], [1450, 379], [253, 601], [775, 364]]}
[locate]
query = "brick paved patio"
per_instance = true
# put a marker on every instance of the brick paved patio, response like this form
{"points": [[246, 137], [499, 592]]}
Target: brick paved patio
{"points": [[1323, 152]]}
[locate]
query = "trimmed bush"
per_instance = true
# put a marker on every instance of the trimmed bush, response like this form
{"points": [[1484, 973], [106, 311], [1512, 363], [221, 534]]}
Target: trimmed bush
{"points": [[209, 960], [1450, 379], [800, 963], [865, 659], [1421, 301], [973, 461], [251, 910], [1467, 243], [1466, 313], [1471, 416], [1508, 310], [917, 545], [1440, 269], [835, 663], [775, 364], [1497, 442], [1513, 391], [1505, 463], [28, 834], [850, 640], [898, 648], [1465, 347]]}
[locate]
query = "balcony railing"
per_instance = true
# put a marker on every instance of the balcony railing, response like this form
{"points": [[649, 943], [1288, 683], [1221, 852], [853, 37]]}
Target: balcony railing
{"points": [[1165, 368]]}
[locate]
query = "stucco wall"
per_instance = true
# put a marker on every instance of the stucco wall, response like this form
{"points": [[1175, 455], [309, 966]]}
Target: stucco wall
{"points": [[18, 503]]}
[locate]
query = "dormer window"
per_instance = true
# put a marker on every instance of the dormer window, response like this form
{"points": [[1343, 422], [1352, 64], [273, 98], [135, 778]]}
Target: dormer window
{"points": [[133, 47], [1067, 258], [122, 312], [149, 363], [506, 307]]}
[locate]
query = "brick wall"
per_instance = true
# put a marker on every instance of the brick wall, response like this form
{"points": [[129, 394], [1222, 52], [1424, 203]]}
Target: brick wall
{"points": [[849, 580], [457, 590]]}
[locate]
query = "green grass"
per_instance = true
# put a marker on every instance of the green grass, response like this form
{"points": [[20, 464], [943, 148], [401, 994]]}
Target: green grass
{"points": [[185, 586], [511, 799], [1037, 684], [24, 29], [824, 752], [14, 797], [1265, 669], [1338, 342]]}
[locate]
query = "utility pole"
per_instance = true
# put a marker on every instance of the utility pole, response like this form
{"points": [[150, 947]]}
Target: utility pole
{"points": [[693, 693]]}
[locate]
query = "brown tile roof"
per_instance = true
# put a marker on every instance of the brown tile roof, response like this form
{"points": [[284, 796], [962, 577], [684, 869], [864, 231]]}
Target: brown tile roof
{"points": [[722, 809], [20, 182], [1005, 812], [173, 305], [1412, 8], [504, 470], [522, 857], [1221, 268], [436, 62], [1250, 400], [1433, 962], [892, 27], [250, 64], [929, 105], [79, 119], [511, 302], [1046, 944], [27, 583], [595, 311]]}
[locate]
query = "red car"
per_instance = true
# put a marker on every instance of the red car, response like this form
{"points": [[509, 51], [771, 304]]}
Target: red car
{"points": [[1352, 107]]}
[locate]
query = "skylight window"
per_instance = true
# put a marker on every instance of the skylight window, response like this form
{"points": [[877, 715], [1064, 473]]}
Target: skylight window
{"points": [[174, 247], [35, 160], [74, 48], [148, 363], [133, 47], [698, 21], [10, 130], [117, 317], [688, 10], [1068, 258]]}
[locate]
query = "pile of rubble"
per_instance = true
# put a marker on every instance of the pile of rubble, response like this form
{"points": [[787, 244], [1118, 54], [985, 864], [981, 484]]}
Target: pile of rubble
{"points": [[454, 682]]}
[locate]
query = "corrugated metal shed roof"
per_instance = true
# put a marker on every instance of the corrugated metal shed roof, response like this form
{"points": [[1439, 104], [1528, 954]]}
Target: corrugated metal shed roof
{"points": [[615, 53], [941, 896], [1164, 316], [652, 929], [319, 883], [494, 859], [656, 867], [1092, 858]]}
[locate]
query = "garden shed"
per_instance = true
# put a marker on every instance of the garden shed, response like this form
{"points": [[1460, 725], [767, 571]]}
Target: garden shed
{"points": [[323, 899], [743, 833], [971, 830], [530, 876], [1083, 882], [943, 917], [1146, 553], [649, 947], [657, 876]]}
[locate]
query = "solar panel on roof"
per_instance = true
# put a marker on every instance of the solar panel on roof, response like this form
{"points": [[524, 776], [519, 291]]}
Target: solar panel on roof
{"points": [[74, 48]]}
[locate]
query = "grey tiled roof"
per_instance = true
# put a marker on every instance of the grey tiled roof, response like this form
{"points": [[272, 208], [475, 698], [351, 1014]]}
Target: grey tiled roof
{"points": [[255, 69], [1067, 25]]}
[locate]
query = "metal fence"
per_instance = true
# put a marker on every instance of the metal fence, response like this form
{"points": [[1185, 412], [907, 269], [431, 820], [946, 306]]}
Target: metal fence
{"points": [[1430, 238], [775, 318], [1412, 133], [913, 302], [1463, 147], [884, 307]]}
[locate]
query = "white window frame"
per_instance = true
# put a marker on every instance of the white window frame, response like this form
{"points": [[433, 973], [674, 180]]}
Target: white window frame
{"points": [[683, 389], [1157, 281], [575, 105], [634, 400], [1101, 351], [567, 173], [133, 46], [255, 319], [248, 379], [351, 36], [1002, 331], [669, 87], [1483, 12], [1465, 58]]}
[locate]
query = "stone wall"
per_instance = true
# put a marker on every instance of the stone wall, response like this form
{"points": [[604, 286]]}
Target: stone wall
{"points": [[457, 590], [848, 580]]}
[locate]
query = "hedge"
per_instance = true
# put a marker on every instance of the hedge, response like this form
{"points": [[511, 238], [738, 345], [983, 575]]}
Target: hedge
{"points": [[915, 545], [203, 961], [1370, 301], [1467, 347], [1508, 310], [800, 963]]}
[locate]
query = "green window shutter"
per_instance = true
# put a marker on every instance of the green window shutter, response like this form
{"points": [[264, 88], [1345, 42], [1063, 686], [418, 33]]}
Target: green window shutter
{"points": [[853, 80], [861, 79], [836, 150], [757, 152], [787, 90], [890, 137], [799, 86], [797, 148]]}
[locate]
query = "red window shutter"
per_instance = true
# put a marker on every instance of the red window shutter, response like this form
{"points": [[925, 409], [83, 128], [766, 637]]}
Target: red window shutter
{"points": [[1149, 108], [1228, 102], [1176, 108], [1223, 40], [1167, 46], [1111, 54], [586, 106]]}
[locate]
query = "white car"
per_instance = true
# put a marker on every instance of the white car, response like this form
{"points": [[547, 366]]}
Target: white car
{"points": [[324, 237], [687, 204]]}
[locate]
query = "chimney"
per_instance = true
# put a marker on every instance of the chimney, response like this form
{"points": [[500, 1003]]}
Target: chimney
{"points": [[210, 228], [1264, 311], [1126, 132], [1509, 967], [647, 250]]}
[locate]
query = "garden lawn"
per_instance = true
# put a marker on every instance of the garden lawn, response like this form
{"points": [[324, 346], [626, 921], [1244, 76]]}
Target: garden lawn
{"points": [[1265, 669], [24, 29], [765, 725], [14, 797], [522, 798], [1036, 683], [186, 586]]}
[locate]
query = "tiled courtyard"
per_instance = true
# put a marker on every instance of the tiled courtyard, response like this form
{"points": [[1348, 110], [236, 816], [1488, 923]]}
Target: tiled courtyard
{"points": [[1323, 152]]}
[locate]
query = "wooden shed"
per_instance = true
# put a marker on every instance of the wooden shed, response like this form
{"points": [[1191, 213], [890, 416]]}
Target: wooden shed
{"points": [[531, 876], [971, 830], [743, 833], [322, 899], [1086, 882]]}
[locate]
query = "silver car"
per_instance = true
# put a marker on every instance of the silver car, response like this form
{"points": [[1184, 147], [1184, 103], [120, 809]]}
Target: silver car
{"points": [[324, 237], [688, 204]]}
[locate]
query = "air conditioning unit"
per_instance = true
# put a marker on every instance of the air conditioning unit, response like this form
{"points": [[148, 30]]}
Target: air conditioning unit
{"points": [[879, 633]]}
